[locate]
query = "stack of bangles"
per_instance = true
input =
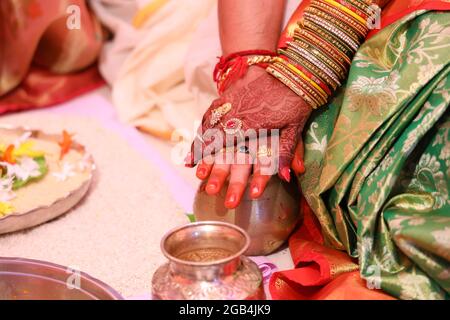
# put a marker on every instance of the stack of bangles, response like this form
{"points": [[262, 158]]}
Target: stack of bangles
{"points": [[315, 62]]}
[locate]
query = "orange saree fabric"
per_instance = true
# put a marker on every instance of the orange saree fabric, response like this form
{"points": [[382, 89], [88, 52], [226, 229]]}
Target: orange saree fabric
{"points": [[320, 273], [48, 51]]}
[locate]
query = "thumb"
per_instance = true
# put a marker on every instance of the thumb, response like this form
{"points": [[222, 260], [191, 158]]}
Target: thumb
{"points": [[288, 141]]}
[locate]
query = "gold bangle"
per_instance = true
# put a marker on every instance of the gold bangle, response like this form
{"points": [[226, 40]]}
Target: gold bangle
{"points": [[346, 10], [314, 60], [330, 9], [291, 86], [320, 100], [310, 67], [352, 32], [335, 30], [329, 37], [307, 79], [337, 55], [360, 4], [320, 55]]}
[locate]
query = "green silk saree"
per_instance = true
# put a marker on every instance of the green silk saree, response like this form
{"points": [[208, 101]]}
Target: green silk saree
{"points": [[377, 159]]}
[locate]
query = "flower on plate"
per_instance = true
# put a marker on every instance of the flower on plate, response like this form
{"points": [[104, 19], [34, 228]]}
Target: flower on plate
{"points": [[6, 193], [5, 208], [27, 168], [66, 172], [85, 163]]}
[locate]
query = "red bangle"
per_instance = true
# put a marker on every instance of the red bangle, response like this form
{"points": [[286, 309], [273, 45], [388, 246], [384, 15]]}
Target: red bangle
{"points": [[234, 66]]}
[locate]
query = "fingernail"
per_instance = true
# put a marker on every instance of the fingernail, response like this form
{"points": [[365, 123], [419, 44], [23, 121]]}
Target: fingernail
{"points": [[255, 190], [201, 172], [211, 187], [286, 174], [188, 161], [231, 198]]}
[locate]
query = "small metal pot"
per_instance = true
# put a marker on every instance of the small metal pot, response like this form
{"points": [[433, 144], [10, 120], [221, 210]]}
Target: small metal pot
{"points": [[269, 220], [206, 262]]}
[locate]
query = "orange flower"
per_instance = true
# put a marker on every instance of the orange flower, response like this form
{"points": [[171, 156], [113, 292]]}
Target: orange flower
{"points": [[65, 144], [8, 155]]}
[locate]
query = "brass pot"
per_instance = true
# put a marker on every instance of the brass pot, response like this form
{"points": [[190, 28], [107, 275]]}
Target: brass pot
{"points": [[268, 220], [206, 262]]}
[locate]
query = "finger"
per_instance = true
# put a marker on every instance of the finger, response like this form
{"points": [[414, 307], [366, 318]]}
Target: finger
{"points": [[204, 137], [288, 142], [204, 168], [218, 176], [297, 163], [260, 178], [238, 182]]}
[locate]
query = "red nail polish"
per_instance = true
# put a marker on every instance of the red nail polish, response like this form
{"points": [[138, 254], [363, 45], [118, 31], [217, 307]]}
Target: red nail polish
{"points": [[189, 160], [286, 174], [201, 172], [254, 191], [211, 186], [231, 199]]}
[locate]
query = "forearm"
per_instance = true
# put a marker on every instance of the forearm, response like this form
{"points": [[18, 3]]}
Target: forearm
{"points": [[250, 24]]}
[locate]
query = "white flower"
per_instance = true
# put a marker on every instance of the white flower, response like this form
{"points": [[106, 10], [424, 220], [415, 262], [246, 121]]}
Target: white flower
{"points": [[84, 163], [6, 193], [66, 172], [26, 169]]}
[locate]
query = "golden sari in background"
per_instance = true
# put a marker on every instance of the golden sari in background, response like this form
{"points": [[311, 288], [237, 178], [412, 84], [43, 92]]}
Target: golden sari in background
{"points": [[378, 170], [48, 50]]}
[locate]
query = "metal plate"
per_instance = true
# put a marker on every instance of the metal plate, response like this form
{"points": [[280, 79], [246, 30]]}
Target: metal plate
{"points": [[19, 221], [25, 279]]}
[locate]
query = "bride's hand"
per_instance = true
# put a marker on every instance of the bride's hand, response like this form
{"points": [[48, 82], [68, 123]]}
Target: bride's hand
{"points": [[260, 102]]}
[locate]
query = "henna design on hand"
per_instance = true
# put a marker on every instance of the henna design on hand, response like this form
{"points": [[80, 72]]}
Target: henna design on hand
{"points": [[261, 102]]}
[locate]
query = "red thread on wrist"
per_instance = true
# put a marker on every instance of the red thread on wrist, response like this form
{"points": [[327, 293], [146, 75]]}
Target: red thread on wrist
{"points": [[234, 66]]}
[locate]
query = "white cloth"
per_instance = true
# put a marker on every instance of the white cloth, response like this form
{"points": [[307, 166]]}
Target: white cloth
{"points": [[145, 65]]}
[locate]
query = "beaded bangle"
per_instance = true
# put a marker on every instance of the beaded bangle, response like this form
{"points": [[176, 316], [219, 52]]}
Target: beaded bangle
{"points": [[306, 86], [317, 58], [271, 70], [337, 55], [305, 72], [329, 37], [362, 13], [334, 30], [328, 8], [350, 30], [320, 55], [361, 5], [346, 10], [298, 72], [310, 67], [332, 22], [311, 58]]}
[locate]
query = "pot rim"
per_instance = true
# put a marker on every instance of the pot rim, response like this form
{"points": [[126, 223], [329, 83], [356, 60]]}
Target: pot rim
{"points": [[172, 258]]}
